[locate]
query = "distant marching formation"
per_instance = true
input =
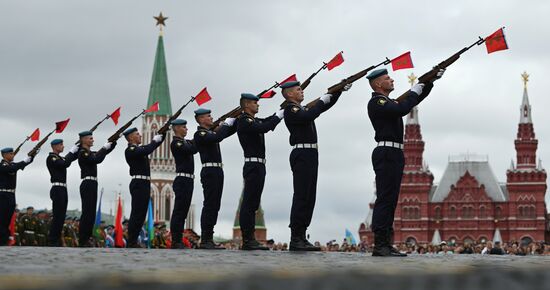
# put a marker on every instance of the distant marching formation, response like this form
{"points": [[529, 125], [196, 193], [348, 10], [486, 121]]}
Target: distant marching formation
{"points": [[387, 158]]}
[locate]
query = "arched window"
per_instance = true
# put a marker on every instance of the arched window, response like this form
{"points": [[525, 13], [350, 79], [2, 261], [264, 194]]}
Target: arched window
{"points": [[438, 212], [167, 207], [482, 212], [498, 212], [410, 241], [452, 212]]}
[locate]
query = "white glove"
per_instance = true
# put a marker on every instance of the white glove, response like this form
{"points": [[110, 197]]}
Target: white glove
{"points": [[326, 98], [158, 138], [107, 145], [28, 160], [418, 88], [74, 149], [346, 87], [440, 73], [280, 114], [229, 121]]}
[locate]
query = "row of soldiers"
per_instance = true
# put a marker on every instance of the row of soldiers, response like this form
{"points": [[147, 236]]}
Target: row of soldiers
{"points": [[388, 161], [31, 229]]}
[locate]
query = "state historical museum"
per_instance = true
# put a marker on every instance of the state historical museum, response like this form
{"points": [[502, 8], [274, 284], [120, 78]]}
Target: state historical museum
{"points": [[469, 204]]}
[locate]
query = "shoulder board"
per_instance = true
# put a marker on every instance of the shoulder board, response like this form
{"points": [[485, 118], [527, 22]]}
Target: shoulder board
{"points": [[295, 109], [249, 120]]}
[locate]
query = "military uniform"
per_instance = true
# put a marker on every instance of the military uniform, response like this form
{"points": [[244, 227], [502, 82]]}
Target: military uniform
{"points": [[42, 227], [88, 161], [208, 145], [250, 131], [387, 158], [183, 152], [137, 158], [29, 230], [304, 162], [8, 181], [57, 166]]}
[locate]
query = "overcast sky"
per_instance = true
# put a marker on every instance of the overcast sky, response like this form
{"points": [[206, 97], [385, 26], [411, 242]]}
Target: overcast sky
{"points": [[81, 60]]}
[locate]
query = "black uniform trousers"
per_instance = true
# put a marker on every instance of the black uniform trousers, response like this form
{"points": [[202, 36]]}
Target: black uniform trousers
{"points": [[140, 190], [59, 197], [388, 164], [7, 207], [304, 164], [183, 190], [254, 179], [212, 186], [88, 195]]}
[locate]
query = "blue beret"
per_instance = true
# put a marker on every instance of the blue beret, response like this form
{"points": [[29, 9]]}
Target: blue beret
{"points": [[179, 122], [289, 85], [56, 141], [129, 131], [248, 96], [377, 73], [7, 150], [85, 133], [201, 111]]}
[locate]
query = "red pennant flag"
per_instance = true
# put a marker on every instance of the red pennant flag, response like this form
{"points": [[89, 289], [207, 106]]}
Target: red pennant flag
{"points": [[268, 95], [60, 126], [335, 61], [153, 108], [403, 61], [496, 41], [203, 97], [35, 135], [291, 78], [119, 231], [12, 230], [115, 115]]}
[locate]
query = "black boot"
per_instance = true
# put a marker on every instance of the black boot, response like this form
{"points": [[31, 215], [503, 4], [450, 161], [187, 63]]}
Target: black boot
{"points": [[311, 247], [250, 243], [382, 247], [393, 250], [176, 241], [298, 240], [207, 242]]}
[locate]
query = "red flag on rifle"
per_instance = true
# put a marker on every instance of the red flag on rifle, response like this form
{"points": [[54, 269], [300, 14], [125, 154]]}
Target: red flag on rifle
{"points": [[203, 97], [153, 108], [336, 61], [268, 95], [291, 78], [60, 126], [115, 115], [35, 135], [496, 41], [403, 61]]}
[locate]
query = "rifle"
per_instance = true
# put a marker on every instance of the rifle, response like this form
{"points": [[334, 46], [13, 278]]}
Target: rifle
{"points": [[166, 125], [305, 84], [95, 126], [21, 145], [340, 86], [36, 148], [431, 75], [237, 111], [116, 135]]}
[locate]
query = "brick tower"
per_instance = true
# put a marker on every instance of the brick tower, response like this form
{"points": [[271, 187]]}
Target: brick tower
{"points": [[526, 181]]}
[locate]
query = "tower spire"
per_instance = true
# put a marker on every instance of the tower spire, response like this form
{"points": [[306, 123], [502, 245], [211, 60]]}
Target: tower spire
{"points": [[525, 143], [159, 90], [412, 117]]}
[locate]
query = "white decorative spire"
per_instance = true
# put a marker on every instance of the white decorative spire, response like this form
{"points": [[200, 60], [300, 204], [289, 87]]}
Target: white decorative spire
{"points": [[496, 236], [525, 109], [512, 164], [412, 118], [436, 240]]}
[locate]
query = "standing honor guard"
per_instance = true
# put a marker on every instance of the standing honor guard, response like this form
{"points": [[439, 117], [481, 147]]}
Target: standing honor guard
{"points": [[137, 157], [8, 181], [57, 166], [304, 158], [208, 144], [183, 151], [388, 160], [88, 161], [251, 132]]}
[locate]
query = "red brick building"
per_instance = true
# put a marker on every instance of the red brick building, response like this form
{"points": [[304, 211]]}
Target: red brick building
{"points": [[469, 204]]}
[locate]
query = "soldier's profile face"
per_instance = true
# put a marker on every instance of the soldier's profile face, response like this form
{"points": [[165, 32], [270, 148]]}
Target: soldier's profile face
{"points": [[386, 83], [58, 147], [8, 156], [87, 141], [252, 106], [205, 120], [295, 94]]}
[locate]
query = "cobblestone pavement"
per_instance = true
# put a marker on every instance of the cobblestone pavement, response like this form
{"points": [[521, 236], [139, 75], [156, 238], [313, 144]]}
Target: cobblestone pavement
{"points": [[72, 268]]}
